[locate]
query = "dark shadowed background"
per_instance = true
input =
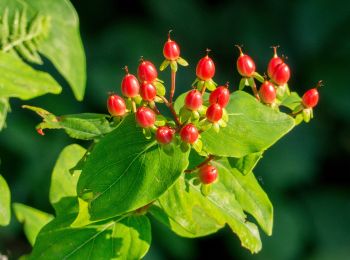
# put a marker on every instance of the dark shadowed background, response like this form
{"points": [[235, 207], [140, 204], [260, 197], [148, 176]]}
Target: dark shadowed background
{"points": [[306, 174]]}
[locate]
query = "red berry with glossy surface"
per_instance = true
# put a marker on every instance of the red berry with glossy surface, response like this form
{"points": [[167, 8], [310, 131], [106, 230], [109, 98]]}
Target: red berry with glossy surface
{"points": [[205, 69], [267, 92], [145, 117], [275, 61], [146, 71], [214, 113], [116, 105], [148, 91], [281, 74], [189, 134], [245, 64], [193, 100], [310, 98], [171, 49], [221, 96], [165, 134], [130, 85], [208, 174]]}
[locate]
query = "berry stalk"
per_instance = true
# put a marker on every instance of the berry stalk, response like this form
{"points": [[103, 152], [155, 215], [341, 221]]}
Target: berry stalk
{"points": [[206, 161]]}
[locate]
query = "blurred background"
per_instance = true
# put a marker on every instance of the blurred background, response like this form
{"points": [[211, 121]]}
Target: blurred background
{"points": [[305, 175]]}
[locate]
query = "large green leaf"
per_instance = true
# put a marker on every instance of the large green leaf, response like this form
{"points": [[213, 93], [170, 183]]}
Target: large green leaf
{"points": [[125, 171], [128, 238], [252, 127], [20, 80], [86, 126], [63, 183], [62, 45], [32, 219], [5, 197], [4, 108], [188, 213], [247, 163]]}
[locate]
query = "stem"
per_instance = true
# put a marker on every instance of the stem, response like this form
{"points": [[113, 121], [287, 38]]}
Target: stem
{"points": [[172, 110], [206, 161], [172, 90], [203, 89], [255, 91], [133, 106]]}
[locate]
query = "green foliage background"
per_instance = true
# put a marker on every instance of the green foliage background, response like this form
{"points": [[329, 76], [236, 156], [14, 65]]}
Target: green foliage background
{"points": [[300, 174]]}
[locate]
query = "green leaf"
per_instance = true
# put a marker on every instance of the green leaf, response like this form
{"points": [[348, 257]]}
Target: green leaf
{"points": [[188, 213], [20, 80], [4, 109], [86, 126], [32, 219], [5, 197], [291, 101], [63, 183], [160, 88], [247, 163], [258, 77], [252, 127], [24, 35], [248, 193], [182, 62], [164, 65], [63, 44], [127, 238], [126, 171]]}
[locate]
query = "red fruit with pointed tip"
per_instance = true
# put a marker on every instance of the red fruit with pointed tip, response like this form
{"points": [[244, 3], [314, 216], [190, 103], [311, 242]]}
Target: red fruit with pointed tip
{"points": [[189, 134], [275, 61], [205, 69], [214, 113], [130, 85], [165, 134], [171, 49], [245, 64], [193, 100], [146, 71], [310, 98], [221, 96], [148, 91], [116, 105], [267, 92], [281, 74], [145, 117], [40, 131], [208, 174]]}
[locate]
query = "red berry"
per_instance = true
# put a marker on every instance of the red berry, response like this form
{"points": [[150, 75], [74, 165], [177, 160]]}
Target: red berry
{"points": [[193, 100], [275, 61], [171, 50], [148, 91], [208, 174], [221, 96], [116, 105], [40, 131], [214, 113], [205, 69], [281, 74], [189, 133], [130, 85], [147, 71], [165, 134], [245, 64], [145, 117], [267, 92], [310, 98]]}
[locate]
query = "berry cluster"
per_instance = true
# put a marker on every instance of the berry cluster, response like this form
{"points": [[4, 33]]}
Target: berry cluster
{"points": [[274, 88], [201, 110]]}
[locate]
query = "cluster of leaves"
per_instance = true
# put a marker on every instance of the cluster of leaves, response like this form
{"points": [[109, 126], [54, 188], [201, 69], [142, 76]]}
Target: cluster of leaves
{"points": [[119, 179], [101, 195], [30, 30]]}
